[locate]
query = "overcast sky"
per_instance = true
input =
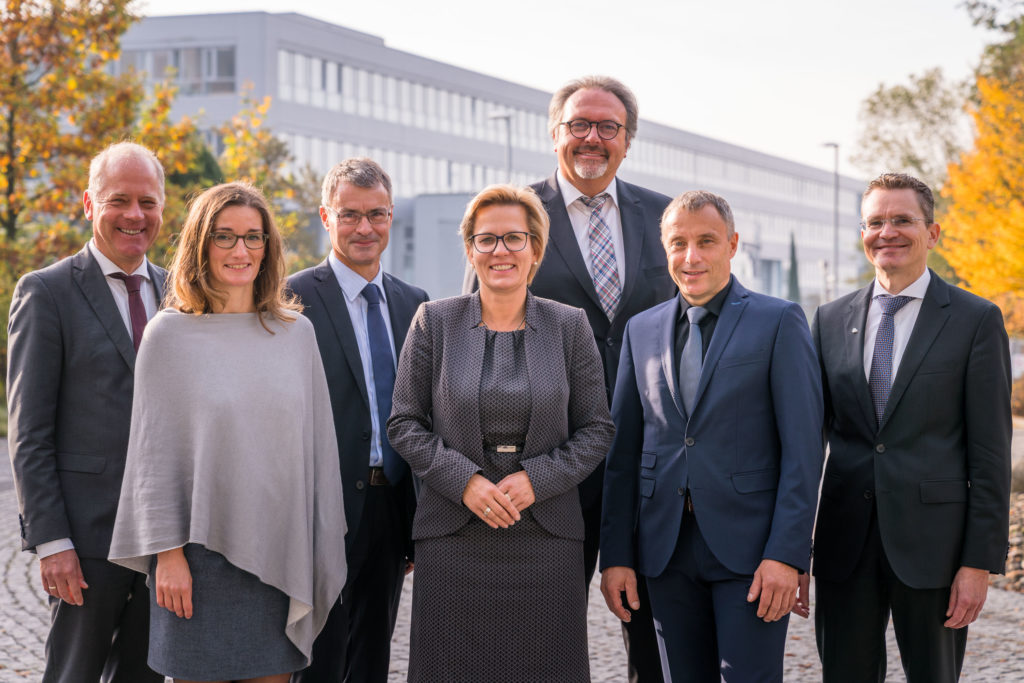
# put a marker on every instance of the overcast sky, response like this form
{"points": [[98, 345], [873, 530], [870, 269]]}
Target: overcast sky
{"points": [[781, 77]]}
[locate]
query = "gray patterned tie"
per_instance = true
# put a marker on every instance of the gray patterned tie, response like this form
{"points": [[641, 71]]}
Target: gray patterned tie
{"points": [[692, 359], [604, 270], [880, 377]]}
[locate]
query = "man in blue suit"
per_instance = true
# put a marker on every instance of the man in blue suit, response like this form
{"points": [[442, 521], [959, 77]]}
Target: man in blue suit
{"points": [[712, 480]]}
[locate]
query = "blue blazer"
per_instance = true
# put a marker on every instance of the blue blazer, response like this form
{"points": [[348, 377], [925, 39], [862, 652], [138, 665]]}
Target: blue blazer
{"points": [[750, 454]]}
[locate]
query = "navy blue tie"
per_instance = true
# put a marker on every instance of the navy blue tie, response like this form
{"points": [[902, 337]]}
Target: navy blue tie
{"points": [[383, 380], [880, 375]]}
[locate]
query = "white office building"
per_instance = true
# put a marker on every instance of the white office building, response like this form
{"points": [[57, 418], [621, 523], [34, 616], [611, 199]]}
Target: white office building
{"points": [[443, 130]]}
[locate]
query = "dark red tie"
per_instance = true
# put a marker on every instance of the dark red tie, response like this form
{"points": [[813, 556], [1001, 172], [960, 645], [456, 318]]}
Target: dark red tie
{"points": [[136, 308]]}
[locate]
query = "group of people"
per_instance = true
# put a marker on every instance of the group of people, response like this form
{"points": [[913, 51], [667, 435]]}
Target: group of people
{"points": [[227, 473]]}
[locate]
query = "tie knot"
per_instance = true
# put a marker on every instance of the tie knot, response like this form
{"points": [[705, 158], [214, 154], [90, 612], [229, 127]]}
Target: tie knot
{"points": [[891, 304], [696, 314], [371, 294], [132, 282], [594, 203]]}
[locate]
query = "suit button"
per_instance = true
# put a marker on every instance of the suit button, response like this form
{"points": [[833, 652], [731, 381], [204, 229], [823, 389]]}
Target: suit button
{"points": [[609, 341], [880, 448], [868, 495], [365, 434], [360, 485], [682, 491], [689, 441]]}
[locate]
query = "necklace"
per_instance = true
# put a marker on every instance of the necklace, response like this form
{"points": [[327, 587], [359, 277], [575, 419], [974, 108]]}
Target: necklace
{"points": [[518, 326]]}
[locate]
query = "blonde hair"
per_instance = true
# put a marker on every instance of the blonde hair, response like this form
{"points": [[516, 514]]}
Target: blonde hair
{"points": [[537, 222], [191, 290]]}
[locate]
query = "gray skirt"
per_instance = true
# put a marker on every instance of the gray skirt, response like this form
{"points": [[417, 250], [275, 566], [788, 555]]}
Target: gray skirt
{"points": [[236, 629]]}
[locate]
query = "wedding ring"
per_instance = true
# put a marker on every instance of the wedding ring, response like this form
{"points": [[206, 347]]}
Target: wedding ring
{"points": [[487, 510], [53, 588]]}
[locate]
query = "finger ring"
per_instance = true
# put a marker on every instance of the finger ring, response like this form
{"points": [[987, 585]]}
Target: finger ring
{"points": [[487, 510], [53, 588]]}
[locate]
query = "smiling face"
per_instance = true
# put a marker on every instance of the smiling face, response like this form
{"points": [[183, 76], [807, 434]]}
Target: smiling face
{"points": [[591, 163], [699, 250], [502, 271], [358, 246], [126, 210], [234, 270], [899, 255]]}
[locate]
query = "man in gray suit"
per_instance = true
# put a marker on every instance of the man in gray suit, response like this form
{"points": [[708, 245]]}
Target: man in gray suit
{"points": [[605, 256], [73, 333]]}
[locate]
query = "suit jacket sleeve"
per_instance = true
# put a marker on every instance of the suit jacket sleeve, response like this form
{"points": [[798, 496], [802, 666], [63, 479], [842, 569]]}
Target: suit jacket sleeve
{"points": [[988, 427], [798, 406], [618, 514], [590, 425], [444, 469], [35, 355]]}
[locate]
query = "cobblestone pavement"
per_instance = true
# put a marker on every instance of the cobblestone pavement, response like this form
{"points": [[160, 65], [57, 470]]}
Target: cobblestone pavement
{"points": [[995, 649]]}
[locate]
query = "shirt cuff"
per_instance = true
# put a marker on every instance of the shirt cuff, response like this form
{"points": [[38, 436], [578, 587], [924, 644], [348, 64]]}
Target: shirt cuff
{"points": [[54, 547]]}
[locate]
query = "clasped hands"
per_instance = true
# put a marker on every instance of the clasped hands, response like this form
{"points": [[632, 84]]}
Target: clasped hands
{"points": [[498, 505]]}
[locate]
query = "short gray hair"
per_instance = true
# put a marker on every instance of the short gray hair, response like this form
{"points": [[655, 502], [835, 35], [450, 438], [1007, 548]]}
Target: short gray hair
{"points": [[606, 83], [120, 151], [695, 200], [358, 171]]}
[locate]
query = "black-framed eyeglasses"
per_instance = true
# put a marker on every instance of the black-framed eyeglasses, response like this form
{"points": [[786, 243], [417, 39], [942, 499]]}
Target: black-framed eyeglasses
{"points": [[225, 239], [486, 243], [897, 222], [580, 128], [349, 217]]}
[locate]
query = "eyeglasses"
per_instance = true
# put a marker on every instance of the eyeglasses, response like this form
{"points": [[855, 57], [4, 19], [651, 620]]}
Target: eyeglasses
{"points": [[580, 128], [225, 239], [897, 222], [486, 243], [347, 217]]}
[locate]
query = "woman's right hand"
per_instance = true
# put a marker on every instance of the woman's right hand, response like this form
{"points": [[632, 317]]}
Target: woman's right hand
{"points": [[174, 582], [488, 503]]}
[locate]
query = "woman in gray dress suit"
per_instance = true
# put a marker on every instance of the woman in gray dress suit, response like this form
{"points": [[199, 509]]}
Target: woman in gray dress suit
{"points": [[500, 409]]}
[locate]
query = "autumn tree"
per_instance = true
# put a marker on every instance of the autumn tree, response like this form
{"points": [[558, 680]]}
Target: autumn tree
{"points": [[983, 218]]}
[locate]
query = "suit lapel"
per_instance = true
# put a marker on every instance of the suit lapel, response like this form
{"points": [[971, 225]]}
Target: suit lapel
{"points": [[665, 336], [732, 311], [158, 277], [470, 349], [631, 215], [89, 277], [930, 320], [562, 239], [853, 354], [336, 309], [400, 311]]}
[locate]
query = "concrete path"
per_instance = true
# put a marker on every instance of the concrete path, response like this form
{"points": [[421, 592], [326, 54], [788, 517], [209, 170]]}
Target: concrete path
{"points": [[995, 648]]}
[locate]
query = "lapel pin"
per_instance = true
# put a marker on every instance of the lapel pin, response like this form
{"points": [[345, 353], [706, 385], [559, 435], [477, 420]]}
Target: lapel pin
{"points": [[853, 331]]}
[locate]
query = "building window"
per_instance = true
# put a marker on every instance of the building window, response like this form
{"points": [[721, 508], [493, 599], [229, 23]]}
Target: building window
{"points": [[196, 70]]}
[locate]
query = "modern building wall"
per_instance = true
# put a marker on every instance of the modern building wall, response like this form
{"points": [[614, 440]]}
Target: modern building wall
{"points": [[443, 130]]}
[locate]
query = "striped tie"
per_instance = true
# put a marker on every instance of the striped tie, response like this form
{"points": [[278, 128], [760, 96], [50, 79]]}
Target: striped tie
{"points": [[602, 256], [880, 378]]}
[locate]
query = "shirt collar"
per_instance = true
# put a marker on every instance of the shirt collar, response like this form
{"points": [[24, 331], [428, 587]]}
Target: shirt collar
{"points": [[108, 266], [570, 193], [917, 289], [713, 307], [352, 283]]}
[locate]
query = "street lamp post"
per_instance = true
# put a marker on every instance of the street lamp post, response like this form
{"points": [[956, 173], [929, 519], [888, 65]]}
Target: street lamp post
{"points": [[507, 115], [835, 222]]}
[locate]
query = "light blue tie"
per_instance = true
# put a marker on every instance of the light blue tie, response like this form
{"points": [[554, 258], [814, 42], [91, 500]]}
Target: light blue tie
{"points": [[383, 380], [692, 359]]}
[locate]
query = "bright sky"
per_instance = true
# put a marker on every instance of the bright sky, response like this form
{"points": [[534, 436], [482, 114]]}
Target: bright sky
{"points": [[781, 77]]}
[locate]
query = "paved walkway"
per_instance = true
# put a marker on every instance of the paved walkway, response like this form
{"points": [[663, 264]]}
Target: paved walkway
{"points": [[995, 650]]}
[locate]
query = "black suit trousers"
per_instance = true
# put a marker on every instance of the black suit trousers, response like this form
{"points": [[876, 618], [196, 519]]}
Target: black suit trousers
{"points": [[851, 617], [355, 643]]}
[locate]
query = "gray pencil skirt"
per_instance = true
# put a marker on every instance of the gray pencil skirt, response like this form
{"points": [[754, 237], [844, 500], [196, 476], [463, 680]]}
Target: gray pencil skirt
{"points": [[236, 629]]}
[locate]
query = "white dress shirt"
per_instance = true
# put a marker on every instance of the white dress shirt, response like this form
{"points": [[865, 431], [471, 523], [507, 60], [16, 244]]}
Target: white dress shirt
{"points": [[352, 285], [579, 216], [903, 321], [119, 289]]}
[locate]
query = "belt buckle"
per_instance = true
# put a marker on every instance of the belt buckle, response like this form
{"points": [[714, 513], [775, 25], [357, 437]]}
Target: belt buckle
{"points": [[505, 448]]}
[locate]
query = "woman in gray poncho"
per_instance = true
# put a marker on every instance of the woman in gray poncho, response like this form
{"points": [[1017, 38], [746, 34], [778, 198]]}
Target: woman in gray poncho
{"points": [[231, 499]]}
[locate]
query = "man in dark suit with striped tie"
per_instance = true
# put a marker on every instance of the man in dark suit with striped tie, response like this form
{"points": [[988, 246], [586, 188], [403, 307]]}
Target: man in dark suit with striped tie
{"points": [[914, 503]]}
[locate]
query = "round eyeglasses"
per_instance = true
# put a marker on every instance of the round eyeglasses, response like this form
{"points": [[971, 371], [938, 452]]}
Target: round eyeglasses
{"points": [[580, 128], [486, 243], [349, 217], [226, 239]]}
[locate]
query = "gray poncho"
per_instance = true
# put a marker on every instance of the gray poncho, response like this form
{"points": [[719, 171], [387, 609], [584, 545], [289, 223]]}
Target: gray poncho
{"points": [[232, 446]]}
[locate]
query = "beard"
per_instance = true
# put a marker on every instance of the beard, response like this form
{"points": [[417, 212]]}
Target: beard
{"points": [[590, 169]]}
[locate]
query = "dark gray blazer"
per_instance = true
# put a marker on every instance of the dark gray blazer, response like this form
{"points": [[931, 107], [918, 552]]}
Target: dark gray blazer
{"points": [[435, 422], [70, 373], [938, 469]]}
